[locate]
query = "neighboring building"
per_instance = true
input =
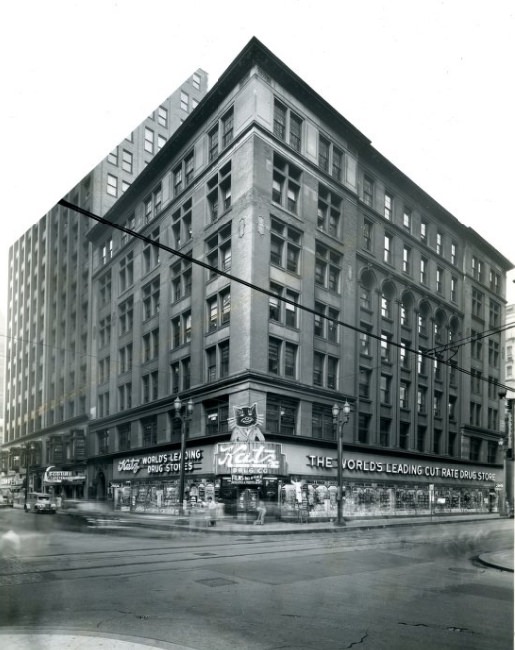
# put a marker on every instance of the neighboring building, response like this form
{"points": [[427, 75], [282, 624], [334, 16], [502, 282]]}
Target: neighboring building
{"points": [[509, 348], [49, 335], [3, 347], [375, 294]]}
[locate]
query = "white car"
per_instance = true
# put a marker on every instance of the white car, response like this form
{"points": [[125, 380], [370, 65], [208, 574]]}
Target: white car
{"points": [[40, 502]]}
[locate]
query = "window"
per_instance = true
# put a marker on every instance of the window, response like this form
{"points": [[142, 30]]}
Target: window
{"points": [[365, 300], [493, 419], [437, 437], [125, 396], [493, 353], [103, 405], [384, 389], [405, 316], [286, 184], [423, 270], [386, 307], [387, 252], [282, 358], [325, 370], [386, 353], [406, 219], [326, 322], [421, 363], [384, 432], [404, 395], [185, 101], [217, 416], [367, 235], [364, 383], [404, 434], [454, 289], [368, 191], [181, 329], [476, 346], [219, 192], [495, 314], [150, 345], [150, 297], [453, 253], [364, 342], [329, 211], [439, 280], [287, 125], [406, 259], [112, 185], [181, 225], [127, 165], [180, 375], [281, 415], [363, 427], [151, 253], [477, 303], [404, 359], [149, 140], [103, 441], [227, 128], [451, 444], [181, 280], [439, 249], [218, 310], [161, 141], [421, 438], [113, 157], [285, 245], [475, 381], [217, 361], [218, 248], [129, 224], [126, 315], [104, 332], [280, 311], [388, 206], [475, 448], [475, 414], [322, 425], [328, 265], [162, 116], [195, 80], [124, 437], [125, 358], [492, 452], [213, 143], [437, 404], [149, 426], [183, 173], [104, 370], [126, 272], [423, 231], [152, 204], [495, 282], [477, 269], [323, 153]]}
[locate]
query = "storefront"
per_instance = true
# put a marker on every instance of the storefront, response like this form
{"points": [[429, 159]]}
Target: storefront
{"points": [[150, 483], [64, 484]]}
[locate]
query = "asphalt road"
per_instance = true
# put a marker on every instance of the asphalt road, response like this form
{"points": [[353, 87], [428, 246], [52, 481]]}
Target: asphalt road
{"points": [[398, 588]]}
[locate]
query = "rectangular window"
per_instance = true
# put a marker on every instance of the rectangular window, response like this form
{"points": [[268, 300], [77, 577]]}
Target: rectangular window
{"points": [[162, 116], [367, 235], [423, 231], [368, 191], [185, 101], [387, 252], [282, 358], [150, 299], [295, 131], [322, 425], [406, 259], [477, 303], [280, 308], [152, 204], [423, 270], [219, 195], [126, 315], [384, 389], [112, 185], [286, 184], [406, 219], [227, 128], [323, 153], [384, 432], [329, 211], [218, 251], [126, 272], [495, 314], [453, 253], [181, 330], [113, 157], [285, 246], [388, 206], [454, 287], [280, 120], [475, 448], [328, 265], [213, 143], [182, 225], [439, 280], [127, 161], [217, 361], [439, 245], [281, 415], [149, 140], [385, 348], [219, 310]]}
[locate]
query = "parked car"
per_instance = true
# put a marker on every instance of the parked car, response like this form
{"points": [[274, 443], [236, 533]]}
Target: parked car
{"points": [[6, 497], [40, 502]]}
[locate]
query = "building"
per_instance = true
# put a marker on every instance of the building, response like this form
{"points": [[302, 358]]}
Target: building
{"points": [[49, 345], [281, 266]]}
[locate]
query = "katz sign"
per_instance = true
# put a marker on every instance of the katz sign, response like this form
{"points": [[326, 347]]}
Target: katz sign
{"points": [[166, 463], [249, 458]]}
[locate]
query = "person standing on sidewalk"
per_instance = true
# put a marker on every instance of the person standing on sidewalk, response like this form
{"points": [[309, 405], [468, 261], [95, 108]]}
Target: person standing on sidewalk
{"points": [[261, 510], [211, 508]]}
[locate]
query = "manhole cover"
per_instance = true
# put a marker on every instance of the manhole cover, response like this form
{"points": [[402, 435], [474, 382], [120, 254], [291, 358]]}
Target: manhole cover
{"points": [[216, 582]]}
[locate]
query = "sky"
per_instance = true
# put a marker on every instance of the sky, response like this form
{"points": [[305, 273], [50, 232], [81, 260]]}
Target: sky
{"points": [[430, 83]]}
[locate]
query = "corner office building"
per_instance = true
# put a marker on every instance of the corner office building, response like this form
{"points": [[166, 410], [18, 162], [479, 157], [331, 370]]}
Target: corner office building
{"points": [[374, 294], [48, 366]]}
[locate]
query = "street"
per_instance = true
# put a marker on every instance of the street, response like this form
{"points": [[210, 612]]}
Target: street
{"points": [[396, 588]]}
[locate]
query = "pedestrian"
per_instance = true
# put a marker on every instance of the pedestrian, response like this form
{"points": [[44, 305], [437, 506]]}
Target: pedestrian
{"points": [[211, 507], [261, 510]]}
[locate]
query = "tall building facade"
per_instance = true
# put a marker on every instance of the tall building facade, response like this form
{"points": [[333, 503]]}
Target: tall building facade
{"points": [[48, 356], [282, 266]]}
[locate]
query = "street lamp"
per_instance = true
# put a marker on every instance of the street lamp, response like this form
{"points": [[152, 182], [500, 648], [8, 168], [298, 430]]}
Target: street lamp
{"points": [[340, 417], [183, 419], [507, 444]]}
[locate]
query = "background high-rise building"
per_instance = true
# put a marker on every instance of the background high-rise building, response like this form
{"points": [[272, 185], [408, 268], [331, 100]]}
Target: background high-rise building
{"points": [[49, 332]]}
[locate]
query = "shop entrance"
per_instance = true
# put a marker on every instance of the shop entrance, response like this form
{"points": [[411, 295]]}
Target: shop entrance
{"points": [[241, 499]]}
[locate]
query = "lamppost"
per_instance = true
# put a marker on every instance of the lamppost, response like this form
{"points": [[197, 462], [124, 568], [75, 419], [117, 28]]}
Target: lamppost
{"points": [[507, 444], [183, 419], [340, 417]]}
